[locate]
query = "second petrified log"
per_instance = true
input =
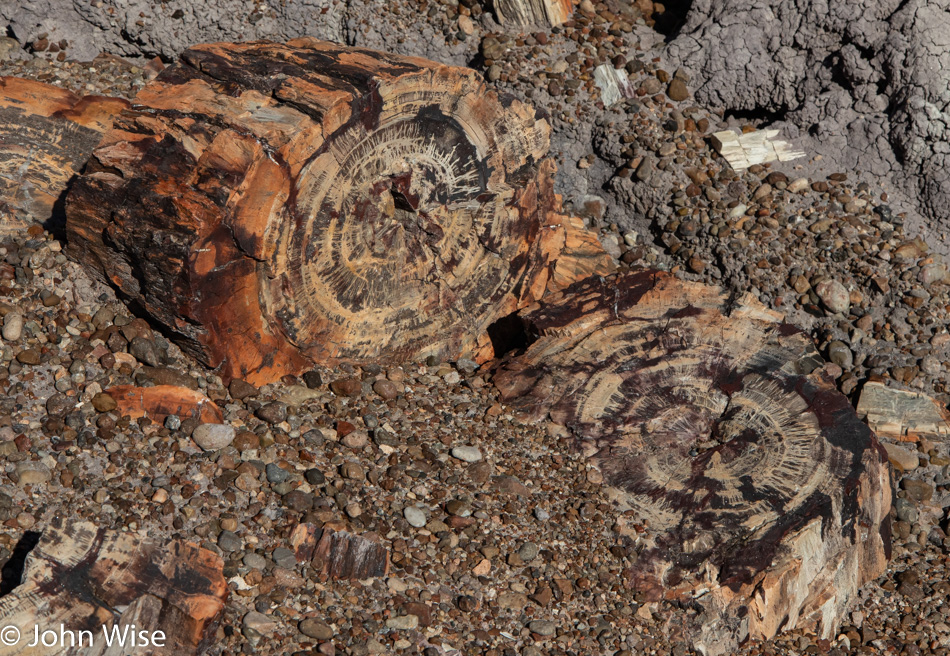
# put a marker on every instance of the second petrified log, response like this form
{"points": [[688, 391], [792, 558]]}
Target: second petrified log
{"points": [[756, 492], [274, 205]]}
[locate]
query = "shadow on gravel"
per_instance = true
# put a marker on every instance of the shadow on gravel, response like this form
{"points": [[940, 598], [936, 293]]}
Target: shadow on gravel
{"points": [[12, 573]]}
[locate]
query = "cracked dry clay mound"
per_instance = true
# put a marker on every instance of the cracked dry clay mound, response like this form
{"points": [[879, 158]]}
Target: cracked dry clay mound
{"points": [[865, 83], [279, 205], [139, 27], [755, 490]]}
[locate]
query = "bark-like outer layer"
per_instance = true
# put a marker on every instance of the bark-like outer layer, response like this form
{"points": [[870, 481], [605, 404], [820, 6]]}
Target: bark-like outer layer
{"points": [[757, 491], [86, 578], [277, 205], [46, 135]]}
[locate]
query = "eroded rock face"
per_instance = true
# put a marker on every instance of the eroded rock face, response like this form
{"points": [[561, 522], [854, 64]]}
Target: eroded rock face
{"points": [[756, 493], [868, 80], [118, 26]]}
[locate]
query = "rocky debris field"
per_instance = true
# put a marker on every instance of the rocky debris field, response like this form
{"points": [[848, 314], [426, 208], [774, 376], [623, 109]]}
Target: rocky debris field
{"points": [[499, 541]]}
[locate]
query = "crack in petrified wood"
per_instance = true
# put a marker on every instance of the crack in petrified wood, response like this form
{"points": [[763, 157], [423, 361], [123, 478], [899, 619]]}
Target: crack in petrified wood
{"points": [[277, 204], [761, 494]]}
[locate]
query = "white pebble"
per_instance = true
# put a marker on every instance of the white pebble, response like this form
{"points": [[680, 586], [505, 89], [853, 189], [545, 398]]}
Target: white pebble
{"points": [[414, 516], [12, 326], [466, 453], [212, 437]]}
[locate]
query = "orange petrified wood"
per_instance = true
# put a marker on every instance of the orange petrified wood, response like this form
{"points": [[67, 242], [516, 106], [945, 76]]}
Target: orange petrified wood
{"points": [[277, 205], [160, 401], [46, 135]]}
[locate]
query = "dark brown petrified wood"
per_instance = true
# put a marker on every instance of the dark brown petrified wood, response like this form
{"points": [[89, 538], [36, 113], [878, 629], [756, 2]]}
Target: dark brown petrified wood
{"points": [[339, 554], [86, 578], [46, 135], [277, 205], [755, 490]]}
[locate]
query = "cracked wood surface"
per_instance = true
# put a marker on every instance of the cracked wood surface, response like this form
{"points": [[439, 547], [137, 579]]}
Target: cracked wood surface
{"points": [[754, 489], [524, 13], [46, 135], [277, 205], [85, 577]]}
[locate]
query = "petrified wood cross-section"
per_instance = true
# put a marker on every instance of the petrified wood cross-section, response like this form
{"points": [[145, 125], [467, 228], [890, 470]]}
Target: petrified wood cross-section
{"points": [[274, 205], [46, 135], [757, 491], [87, 579]]}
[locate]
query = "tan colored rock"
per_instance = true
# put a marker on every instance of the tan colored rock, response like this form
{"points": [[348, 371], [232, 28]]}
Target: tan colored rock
{"points": [[525, 13], [904, 416]]}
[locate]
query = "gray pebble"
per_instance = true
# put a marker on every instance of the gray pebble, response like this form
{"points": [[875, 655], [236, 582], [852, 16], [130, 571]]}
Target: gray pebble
{"points": [[229, 541], [414, 516], [276, 474], [284, 557], [542, 627]]}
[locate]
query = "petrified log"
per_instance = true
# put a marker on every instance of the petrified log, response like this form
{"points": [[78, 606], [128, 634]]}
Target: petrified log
{"points": [[113, 583], [160, 401], [524, 13], [274, 205], [46, 135], [756, 491]]}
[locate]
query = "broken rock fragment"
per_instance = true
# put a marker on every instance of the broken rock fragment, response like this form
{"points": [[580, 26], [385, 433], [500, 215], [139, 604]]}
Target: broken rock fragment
{"points": [[613, 83], [90, 579], [901, 415], [339, 554], [757, 147]]}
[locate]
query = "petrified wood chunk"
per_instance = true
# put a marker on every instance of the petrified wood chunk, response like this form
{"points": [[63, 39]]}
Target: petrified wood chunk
{"points": [[339, 554], [274, 205], [46, 135], [756, 490], [86, 578], [901, 415], [160, 401], [524, 13], [756, 147]]}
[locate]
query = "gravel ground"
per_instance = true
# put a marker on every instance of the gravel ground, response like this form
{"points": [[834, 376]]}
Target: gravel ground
{"points": [[513, 547]]}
